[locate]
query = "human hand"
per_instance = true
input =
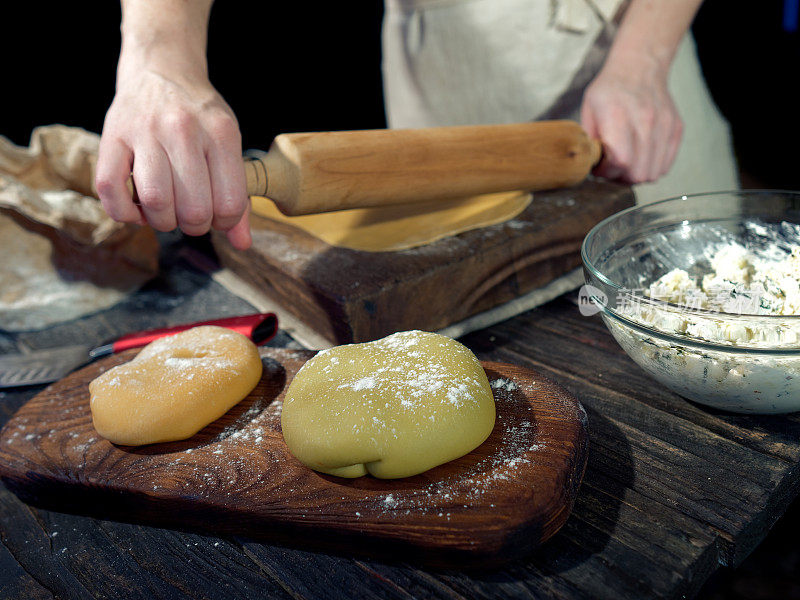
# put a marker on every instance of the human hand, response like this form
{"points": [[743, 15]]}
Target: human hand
{"points": [[629, 108], [181, 142]]}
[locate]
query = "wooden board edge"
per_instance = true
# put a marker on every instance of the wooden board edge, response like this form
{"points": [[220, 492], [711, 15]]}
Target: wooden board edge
{"points": [[496, 547]]}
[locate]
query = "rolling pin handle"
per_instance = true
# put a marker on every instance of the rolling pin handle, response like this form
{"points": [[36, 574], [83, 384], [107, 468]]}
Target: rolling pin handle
{"points": [[255, 171]]}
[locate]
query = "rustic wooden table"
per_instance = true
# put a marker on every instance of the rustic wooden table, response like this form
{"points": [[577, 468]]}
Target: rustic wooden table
{"points": [[672, 491]]}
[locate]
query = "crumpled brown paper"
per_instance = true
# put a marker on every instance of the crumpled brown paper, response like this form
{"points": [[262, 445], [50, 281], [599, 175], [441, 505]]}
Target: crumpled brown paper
{"points": [[62, 256]]}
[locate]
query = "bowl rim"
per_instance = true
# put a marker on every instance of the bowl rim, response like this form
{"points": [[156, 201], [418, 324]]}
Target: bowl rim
{"points": [[673, 307]]}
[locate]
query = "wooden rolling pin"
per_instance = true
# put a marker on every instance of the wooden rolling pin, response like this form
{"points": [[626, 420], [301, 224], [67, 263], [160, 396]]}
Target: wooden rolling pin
{"points": [[305, 173]]}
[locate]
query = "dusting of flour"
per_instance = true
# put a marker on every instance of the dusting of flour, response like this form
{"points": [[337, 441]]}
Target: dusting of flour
{"points": [[246, 454]]}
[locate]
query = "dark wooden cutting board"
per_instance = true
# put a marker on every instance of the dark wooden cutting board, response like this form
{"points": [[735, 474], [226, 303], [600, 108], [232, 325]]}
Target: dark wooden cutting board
{"points": [[349, 296], [236, 476]]}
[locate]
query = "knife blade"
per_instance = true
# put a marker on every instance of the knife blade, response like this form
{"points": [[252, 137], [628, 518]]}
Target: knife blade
{"points": [[51, 364]]}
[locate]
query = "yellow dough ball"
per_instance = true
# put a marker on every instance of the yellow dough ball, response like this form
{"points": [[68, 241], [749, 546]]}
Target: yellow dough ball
{"points": [[394, 407], [175, 386]]}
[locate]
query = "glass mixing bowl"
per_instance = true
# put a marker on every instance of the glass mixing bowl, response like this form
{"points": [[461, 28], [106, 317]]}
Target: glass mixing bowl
{"points": [[747, 363]]}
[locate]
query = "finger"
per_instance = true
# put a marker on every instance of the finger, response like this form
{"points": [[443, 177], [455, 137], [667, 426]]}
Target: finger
{"points": [[645, 141], [643, 162], [659, 152], [673, 145], [152, 175], [190, 183], [618, 152], [228, 186], [114, 162], [589, 125], [661, 149], [239, 235], [608, 169]]}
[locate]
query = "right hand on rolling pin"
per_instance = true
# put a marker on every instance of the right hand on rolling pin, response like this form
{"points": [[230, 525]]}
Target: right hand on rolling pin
{"points": [[628, 105], [171, 130], [636, 118]]}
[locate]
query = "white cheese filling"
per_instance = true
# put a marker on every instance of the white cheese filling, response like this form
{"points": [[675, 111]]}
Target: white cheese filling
{"points": [[738, 283]]}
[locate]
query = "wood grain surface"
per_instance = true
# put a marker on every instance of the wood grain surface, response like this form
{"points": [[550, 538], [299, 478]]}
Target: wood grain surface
{"points": [[353, 296], [672, 493], [306, 173], [236, 476]]}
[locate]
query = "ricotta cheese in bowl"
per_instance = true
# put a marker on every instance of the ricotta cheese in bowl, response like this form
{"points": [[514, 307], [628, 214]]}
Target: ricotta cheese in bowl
{"points": [[739, 283], [703, 292]]}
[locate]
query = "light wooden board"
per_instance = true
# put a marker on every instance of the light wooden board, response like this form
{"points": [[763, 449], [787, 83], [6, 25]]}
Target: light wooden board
{"points": [[346, 295]]}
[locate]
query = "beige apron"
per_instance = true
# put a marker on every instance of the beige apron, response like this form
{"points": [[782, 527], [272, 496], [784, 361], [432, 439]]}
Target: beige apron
{"points": [[454, 62]]}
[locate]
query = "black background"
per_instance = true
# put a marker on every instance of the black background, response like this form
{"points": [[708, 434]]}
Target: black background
{"points": [[296, 67], [752, 67], [280, 67]]}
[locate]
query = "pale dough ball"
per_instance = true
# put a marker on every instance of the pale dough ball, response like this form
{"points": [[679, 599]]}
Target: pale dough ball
{"points": [[175, 386], [394, 407]]}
